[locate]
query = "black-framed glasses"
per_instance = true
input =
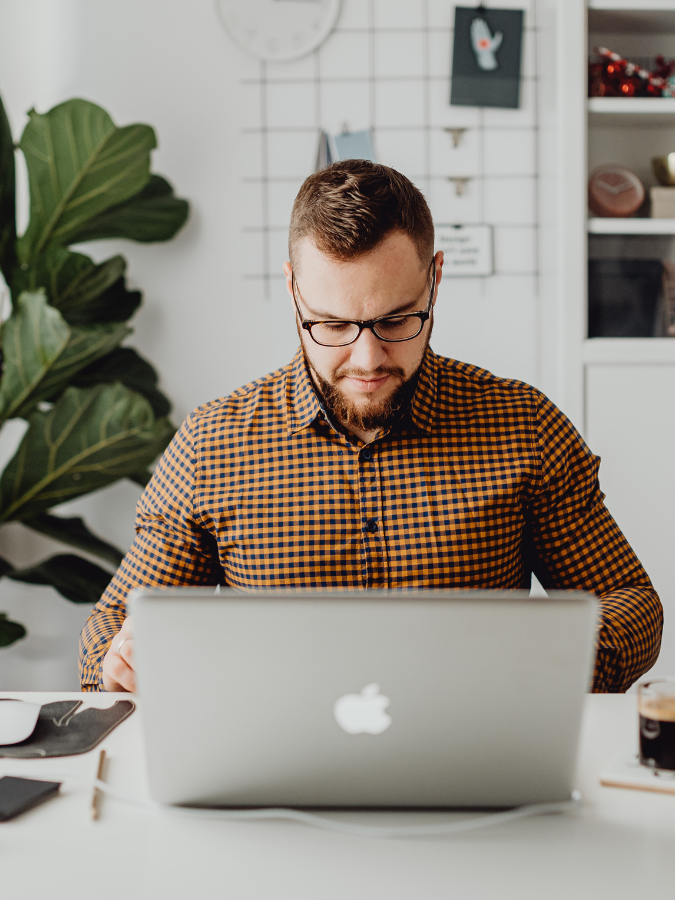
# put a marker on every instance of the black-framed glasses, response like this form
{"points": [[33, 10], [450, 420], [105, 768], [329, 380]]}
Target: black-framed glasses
{"points": [[393, 329]]}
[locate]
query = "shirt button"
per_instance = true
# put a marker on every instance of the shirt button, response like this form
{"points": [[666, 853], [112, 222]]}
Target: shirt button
{"points": [[366, 454], [371, 526]]}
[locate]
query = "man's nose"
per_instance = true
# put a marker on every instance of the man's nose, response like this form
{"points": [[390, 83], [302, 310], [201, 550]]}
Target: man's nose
{"points": [[368, 352]]}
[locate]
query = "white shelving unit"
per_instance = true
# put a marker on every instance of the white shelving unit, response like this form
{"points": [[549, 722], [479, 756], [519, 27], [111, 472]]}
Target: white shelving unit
{"points": [[631, 351], [610, 112], [577, 133], [620, 392], [631, 226], [632, 5], [631, 106]]}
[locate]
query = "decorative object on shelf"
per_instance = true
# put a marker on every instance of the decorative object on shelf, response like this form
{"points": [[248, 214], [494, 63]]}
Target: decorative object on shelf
{"points": [[623, 297], [662, 201], [93, 411], [665, 69], [456, 135], [461, 182], [668, 298], [614, 76], [277, 31], [347, 145], [486, 57], [664, 169], [614, 191], [468, 250]]}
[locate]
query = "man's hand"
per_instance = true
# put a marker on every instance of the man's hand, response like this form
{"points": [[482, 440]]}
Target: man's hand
{"points": [[118, 666]]}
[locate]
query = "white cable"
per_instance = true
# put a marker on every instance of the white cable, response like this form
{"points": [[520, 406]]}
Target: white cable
{"points": [[297, 815]]}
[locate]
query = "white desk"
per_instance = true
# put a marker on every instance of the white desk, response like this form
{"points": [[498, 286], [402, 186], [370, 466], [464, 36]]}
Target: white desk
{"points": [[620, 845]]}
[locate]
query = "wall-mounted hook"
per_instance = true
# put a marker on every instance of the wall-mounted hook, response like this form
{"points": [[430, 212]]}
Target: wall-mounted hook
{"points": [[456, 134], [460, 184]]}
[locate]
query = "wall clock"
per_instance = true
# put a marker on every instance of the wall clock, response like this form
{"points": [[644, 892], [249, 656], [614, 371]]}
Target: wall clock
{"points": [[278, 30]]}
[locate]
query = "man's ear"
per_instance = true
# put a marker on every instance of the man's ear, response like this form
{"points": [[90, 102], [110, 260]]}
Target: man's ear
{"points": [[288, 272], [439, 259]]}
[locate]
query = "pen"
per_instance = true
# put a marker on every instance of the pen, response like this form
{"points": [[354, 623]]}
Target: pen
{"points": [[96, 794]]}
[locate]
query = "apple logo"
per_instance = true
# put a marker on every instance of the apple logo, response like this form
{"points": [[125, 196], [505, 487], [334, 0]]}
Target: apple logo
{"points": [[363, 713]]}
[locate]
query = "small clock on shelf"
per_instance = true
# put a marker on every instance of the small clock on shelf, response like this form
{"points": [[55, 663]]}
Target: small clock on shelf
{"points": [[615, 191], [279, 30]]}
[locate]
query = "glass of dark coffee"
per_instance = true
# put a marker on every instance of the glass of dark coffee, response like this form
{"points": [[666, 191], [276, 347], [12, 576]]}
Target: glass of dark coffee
{"points": [[656, 706]]}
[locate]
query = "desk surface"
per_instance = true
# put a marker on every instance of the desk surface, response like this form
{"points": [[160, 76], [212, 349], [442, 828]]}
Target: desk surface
{"points": [[621, 844]]}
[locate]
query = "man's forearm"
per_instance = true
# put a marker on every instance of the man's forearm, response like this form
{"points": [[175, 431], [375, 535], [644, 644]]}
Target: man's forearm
{"points": [[157, 558], [95, 639], [629, 639]]}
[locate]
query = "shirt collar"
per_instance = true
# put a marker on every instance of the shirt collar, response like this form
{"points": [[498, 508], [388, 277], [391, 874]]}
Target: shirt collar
{"points": [[303, 407], [302, 404], [424, 402]]}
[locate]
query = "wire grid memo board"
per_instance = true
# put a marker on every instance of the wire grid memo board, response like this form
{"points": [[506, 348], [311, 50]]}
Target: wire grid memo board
{"points": [[386, 67]]}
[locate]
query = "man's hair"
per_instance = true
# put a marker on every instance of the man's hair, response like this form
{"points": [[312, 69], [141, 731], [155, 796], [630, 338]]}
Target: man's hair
{"points": [[350, 207]]}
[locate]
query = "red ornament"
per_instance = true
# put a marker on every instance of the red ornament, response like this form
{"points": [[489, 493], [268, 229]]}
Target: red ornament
{"points": [[614, 76], [663, 68]]}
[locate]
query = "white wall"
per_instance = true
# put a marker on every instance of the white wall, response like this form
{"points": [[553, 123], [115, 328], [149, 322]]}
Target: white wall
{"points": [[205, 325]]}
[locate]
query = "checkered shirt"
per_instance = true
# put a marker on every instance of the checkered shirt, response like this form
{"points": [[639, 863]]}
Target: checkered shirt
{"points": [[480, 482]]}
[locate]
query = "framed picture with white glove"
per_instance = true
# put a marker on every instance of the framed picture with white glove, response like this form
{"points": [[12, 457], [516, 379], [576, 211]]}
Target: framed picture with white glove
{"points": [[486, 56]]}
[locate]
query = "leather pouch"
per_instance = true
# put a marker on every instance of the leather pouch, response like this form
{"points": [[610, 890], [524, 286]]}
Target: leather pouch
{"points": [[61, 732]]}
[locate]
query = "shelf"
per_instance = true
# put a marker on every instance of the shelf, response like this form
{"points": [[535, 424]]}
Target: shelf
{"points": [[633, 5], [631, 226], [613, 112], [621, 351]]}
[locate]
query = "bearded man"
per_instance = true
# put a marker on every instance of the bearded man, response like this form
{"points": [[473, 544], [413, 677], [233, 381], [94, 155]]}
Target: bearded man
{"points": [[370, 462]]}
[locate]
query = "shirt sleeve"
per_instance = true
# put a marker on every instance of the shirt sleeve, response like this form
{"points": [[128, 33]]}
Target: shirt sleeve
{"points": [[578, 545], [169, 549]]}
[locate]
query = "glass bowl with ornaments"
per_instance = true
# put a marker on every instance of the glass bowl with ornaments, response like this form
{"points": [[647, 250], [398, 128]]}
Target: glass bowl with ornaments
{"points": [[279, 30]]}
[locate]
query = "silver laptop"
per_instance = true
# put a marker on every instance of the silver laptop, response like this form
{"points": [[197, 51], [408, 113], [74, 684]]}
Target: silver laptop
{"points": [[361, 699]]}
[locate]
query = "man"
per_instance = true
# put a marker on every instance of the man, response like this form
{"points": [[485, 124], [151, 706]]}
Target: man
{"points": [[370, 462]]}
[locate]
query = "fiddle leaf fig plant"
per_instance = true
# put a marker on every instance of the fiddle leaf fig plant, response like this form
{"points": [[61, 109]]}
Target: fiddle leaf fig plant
{"points": [[93, 411]]}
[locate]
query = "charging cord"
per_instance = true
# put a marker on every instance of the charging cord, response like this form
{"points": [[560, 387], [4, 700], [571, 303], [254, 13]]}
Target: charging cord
{"points": [[306, 818]]}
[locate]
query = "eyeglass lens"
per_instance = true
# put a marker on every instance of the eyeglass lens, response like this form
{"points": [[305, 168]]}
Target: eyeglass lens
{"points": [[334, 334]]}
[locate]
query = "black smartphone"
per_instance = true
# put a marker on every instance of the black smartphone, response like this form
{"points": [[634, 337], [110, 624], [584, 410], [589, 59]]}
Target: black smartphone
{"points": [[19, 794]]}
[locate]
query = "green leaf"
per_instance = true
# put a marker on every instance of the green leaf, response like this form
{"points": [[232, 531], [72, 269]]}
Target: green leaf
{"points": [[41, 353], [33, 338], [84, 345], [127, 366], [83, 292], [154, 214], [117, 304], [75, 533], [68, 278], [74, 578], [10, 632], [79, 164], [7, 202], [90, 438]]}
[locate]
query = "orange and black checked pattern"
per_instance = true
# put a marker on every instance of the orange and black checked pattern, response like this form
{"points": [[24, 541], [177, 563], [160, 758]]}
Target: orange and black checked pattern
{"points": [[481, 482]]}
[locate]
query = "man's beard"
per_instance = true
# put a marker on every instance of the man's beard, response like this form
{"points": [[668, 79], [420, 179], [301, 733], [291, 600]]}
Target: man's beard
{"points": [[371, 415]]}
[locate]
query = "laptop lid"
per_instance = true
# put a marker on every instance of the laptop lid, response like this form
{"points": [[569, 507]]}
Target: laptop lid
{"points": [[367, 699]]}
